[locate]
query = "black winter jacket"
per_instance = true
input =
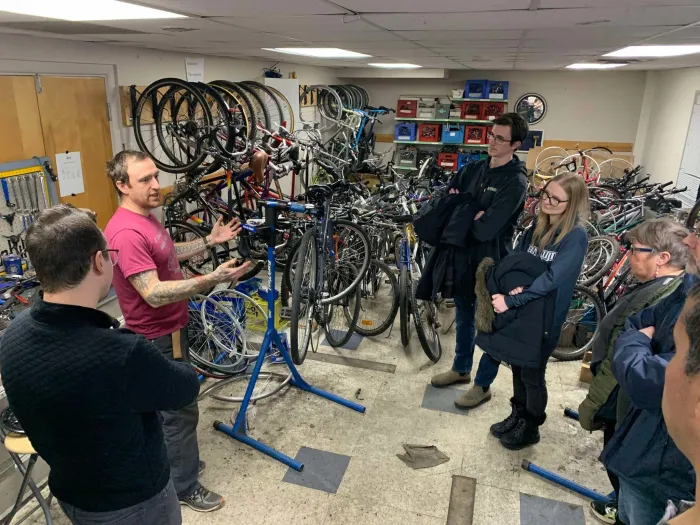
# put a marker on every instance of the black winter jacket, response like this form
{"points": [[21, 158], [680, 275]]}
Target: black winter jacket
{"points": [[518, 335], [465, 242]]}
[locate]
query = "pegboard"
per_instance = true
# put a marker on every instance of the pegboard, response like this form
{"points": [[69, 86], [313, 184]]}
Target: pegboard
{"points": [[26, 188]]}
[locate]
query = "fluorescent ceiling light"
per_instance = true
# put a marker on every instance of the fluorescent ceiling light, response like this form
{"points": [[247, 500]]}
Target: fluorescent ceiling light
{"points": [[84, 10], [317, 52], [397, 65], [655, 51], [586, 65]]}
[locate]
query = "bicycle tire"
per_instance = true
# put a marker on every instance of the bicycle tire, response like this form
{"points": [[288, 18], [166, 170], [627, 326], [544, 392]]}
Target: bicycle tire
{"points": [[609, 262], [404, 307], [152, 91], [338, 337], [258, 104], [287, 110], [271, 102], [578, 353], [612, 193], [302, 313], [359, 260], [378, 274], [428, 336], [178, 231], [242, 112], [241, 94], [693, 216]]}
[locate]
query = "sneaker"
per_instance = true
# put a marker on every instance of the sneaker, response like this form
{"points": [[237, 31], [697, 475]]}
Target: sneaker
{"points": [[450, 378], [202, 466], [203, 500], [524, 434], [498, 430], [605, 511], [473, 398]]}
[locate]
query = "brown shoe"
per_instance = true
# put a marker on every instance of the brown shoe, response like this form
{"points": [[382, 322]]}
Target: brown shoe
{"points": [[450, 378], [474, 397]]}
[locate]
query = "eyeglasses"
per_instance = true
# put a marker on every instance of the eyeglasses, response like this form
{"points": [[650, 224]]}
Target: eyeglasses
{"points": [[497, 139], [639, 249], [113, 255], [554, 201]]}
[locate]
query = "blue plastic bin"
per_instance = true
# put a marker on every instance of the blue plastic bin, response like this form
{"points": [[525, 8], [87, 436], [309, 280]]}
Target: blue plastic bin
{"points": [[475, 89], [464, 159], [452, 134], [405, 131], [497, 90]]}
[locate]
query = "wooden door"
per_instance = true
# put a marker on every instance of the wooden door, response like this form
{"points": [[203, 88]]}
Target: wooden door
{"points": [[74, 117], [20, 124]]}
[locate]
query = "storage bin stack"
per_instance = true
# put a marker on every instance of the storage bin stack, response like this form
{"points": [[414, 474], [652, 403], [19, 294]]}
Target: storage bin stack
{"points": [[407, 108], [475, 135], [452, 134], [429, 133], [405, 131]]}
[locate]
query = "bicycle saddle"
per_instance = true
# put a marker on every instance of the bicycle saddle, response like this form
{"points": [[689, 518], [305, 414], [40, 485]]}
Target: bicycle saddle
{"points": [[318, 193], [258, 163]]}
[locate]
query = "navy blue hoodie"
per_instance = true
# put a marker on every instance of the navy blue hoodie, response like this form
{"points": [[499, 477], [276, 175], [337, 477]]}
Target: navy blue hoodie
{"points": [[565, 260]]}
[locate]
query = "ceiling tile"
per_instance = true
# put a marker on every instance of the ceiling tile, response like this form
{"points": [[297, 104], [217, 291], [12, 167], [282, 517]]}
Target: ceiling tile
{"points": [[434, 6], [241, 8], [541, 19], [548, 4], [290, 24], [459, 35]]}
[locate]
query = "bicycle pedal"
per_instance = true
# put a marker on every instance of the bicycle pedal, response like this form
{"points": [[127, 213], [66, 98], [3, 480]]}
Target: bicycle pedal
{"points": [[286, 313]]}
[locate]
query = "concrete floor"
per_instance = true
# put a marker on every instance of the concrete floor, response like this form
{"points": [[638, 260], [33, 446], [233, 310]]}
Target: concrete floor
{"points": [[377, 488]]}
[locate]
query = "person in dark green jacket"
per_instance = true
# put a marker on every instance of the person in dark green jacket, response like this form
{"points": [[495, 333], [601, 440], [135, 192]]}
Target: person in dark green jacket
{"points": [[657, 259]]}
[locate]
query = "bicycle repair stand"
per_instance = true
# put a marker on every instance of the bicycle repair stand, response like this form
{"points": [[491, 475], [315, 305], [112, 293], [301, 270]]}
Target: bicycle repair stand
{"points": [[564, 482], [272, 340]]}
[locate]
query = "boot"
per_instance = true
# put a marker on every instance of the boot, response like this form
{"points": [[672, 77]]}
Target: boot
{"points": [[525, 433], [498, 430], [450, 378], [474, 397]]}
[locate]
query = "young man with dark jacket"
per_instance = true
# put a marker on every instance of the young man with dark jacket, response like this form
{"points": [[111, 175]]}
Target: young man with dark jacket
{"points": [[498, 184], [88, 394], [642, 453]]}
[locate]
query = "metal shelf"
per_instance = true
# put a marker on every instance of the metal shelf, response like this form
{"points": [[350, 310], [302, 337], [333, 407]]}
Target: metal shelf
{"points": [[446, 120], [440, 144], [405, 168], [479, 100]]}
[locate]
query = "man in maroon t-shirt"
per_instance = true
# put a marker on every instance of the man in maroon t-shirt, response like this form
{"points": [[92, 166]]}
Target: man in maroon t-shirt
{"points": [[153, 297]]}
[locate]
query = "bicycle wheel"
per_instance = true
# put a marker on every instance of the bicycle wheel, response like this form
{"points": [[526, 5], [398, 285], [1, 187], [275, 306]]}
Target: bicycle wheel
{"points": [[261, 112], [303, 301], [242, 114], [251, 318], [287, 112], [379, 299], [202, 264], [270, 102], [405, 306], [182, 121], [245, 98], [350, 247], [601, 254], [581, 324], [215, 338], [341, 317], [425, 317], [233, 389]]}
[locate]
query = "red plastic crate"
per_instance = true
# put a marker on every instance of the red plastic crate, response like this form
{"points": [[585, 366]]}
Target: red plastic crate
{"points": [[429, 132], [471, 110], [476, 135], [492, 110], [407, 108], [448, 161]]}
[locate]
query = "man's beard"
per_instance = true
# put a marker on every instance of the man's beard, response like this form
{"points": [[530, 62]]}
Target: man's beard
{"points": [[692, 266]]}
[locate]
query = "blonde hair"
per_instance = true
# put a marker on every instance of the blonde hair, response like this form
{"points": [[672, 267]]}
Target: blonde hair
{"points": [[577, 209]]}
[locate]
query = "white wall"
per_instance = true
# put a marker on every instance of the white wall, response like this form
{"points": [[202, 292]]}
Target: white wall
{"points": [[669, 103], [590, 106]]}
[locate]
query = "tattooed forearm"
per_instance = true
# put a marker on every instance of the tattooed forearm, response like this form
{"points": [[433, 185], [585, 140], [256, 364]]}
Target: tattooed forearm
{"points": [[185, 250], [159, 293]]}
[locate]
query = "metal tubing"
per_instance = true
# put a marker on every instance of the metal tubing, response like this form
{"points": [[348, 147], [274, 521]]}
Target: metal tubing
{"points": [[564, 482]]}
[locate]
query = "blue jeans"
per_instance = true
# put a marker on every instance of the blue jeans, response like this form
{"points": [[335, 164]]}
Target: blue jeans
{"points": [[464, 349], [636, 506]]}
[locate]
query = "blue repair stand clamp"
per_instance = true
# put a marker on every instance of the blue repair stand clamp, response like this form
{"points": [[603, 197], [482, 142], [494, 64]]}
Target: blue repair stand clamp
{"points": [[271, 341], [564, 482]]}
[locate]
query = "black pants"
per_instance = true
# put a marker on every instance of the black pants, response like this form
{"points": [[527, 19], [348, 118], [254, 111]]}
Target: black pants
{"points": [[608, 432], [530, 390]]}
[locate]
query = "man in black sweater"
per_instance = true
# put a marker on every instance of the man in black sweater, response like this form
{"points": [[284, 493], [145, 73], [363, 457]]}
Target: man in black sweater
{"points": [[498, 183], [87, 393]]}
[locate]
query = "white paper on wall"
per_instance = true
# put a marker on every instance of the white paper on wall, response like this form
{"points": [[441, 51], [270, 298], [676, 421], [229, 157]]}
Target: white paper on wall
{"points": [[195, 69], [70, 173]]}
